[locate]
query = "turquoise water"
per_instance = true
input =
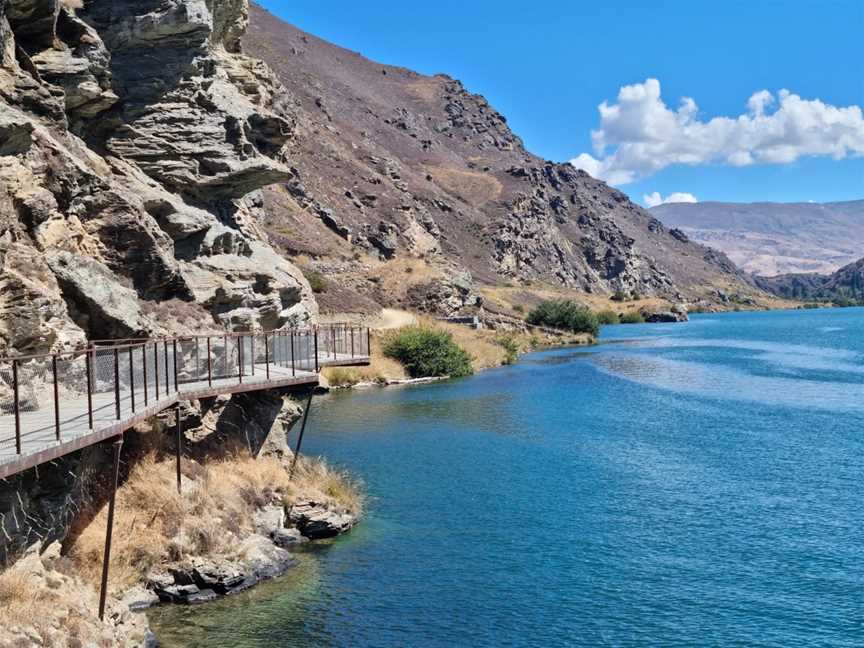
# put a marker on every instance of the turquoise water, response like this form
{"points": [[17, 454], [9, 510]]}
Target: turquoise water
{"points": [[678, 485]]}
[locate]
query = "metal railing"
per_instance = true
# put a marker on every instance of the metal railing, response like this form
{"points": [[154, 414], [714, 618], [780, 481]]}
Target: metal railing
{"points": [[51, 398]]}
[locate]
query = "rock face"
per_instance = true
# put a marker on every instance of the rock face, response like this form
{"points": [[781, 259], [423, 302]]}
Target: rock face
{"points": [[390, 166], [844, 286], [66, 616], [124, 185]]}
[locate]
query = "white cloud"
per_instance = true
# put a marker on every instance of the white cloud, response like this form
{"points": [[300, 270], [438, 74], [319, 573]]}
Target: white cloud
{"points": [[640, 135], [654, 199]]}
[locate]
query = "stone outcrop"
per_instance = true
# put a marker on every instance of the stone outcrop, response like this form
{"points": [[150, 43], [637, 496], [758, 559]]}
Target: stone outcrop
{"points": [[64, 616], [124, 183]]}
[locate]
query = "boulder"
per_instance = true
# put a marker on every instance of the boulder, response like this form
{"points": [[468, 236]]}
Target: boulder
{"points": [[317, 520]]}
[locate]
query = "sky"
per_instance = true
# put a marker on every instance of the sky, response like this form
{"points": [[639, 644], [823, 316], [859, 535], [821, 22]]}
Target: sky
{"points": [[753, 100]]}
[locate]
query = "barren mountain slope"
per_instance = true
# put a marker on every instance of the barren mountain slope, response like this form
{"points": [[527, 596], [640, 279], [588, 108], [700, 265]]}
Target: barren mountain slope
{"points": [[844, 286], [774, 238], [395, 166]]}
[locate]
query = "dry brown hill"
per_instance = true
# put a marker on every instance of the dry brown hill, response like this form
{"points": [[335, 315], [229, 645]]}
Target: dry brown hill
{"points": [[408, 190]]}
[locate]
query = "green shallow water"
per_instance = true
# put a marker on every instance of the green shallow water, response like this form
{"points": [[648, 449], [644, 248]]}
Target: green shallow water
{"points": [[677, 485]]}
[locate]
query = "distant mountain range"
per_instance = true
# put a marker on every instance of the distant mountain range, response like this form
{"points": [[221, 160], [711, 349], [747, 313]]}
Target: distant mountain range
{"points": [[772, 239], [844, 287]]}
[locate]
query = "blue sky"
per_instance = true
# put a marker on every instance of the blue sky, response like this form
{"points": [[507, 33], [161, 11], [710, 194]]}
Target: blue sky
{"points": [[548, 66]]}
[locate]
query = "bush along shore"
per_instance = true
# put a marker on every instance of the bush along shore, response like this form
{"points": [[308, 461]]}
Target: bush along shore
{"points": [[234, 523], [433, 350]]}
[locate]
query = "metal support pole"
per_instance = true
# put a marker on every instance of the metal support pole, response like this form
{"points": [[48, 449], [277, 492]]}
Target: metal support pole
{"points": [[197, 359], [300, 437], [117, 382], [209, 364], [267, 356], [252, 352], [316, 350], [89, 368], [333, 338], [179, 447], [56, 398], [106, 558], [17, 396], [240, 358], [293, 366], [368, 341], [352, 342]]}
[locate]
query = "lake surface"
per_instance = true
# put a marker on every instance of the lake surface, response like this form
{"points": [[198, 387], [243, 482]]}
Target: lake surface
{"points": [[694, 484]]}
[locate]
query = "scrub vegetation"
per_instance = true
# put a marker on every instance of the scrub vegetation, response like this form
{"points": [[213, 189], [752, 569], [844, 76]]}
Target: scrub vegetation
{"points": [[565, 314]]}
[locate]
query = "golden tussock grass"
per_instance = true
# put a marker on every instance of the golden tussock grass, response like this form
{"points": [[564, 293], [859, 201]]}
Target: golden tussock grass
{"points": [[19, 600], [153, 523]]}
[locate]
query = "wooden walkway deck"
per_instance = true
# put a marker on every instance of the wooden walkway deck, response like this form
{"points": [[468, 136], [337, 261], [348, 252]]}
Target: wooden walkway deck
{"points": [[53, 405]]}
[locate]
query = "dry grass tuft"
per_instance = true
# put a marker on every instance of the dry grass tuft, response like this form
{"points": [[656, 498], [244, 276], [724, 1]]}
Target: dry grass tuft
{"points": [[154, 523], [315, 475], [19, 600]]}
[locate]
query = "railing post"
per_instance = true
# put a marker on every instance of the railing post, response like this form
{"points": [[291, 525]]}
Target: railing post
{"points": [[176, 384], [368, 341], [132, 378], [267, 356], [117, 382], [252, 351], [56, 397], [333, 338], [227, 367], [167, 374], [144, 364], [89, 366], [316, 349], [293, 366], [240, 359], [17, 397], [106, 557], [209, 364], [352, 342], [156, 366], [197, 359]]}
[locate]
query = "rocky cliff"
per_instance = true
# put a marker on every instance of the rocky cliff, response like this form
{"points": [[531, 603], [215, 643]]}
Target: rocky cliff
{"points": [[135, 139], [845, 287], [393, 169]]}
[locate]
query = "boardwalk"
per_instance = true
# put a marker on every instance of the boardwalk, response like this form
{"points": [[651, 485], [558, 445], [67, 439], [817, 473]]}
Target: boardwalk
{"points": [[52, 405]]}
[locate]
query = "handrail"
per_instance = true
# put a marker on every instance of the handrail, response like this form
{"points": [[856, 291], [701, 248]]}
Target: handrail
{"points": [[47, 397]]}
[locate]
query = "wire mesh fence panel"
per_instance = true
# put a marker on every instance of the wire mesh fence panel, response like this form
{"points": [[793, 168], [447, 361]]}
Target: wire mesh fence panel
{"points": [[49, 399]]}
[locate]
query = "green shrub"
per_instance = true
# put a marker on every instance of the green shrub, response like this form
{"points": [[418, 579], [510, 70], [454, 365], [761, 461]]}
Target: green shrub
{"points": [[519, 308], [608, 316], [620, 296], [511, 348], [633, 317], [565, 314], [316, 281], [425, 352]]}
